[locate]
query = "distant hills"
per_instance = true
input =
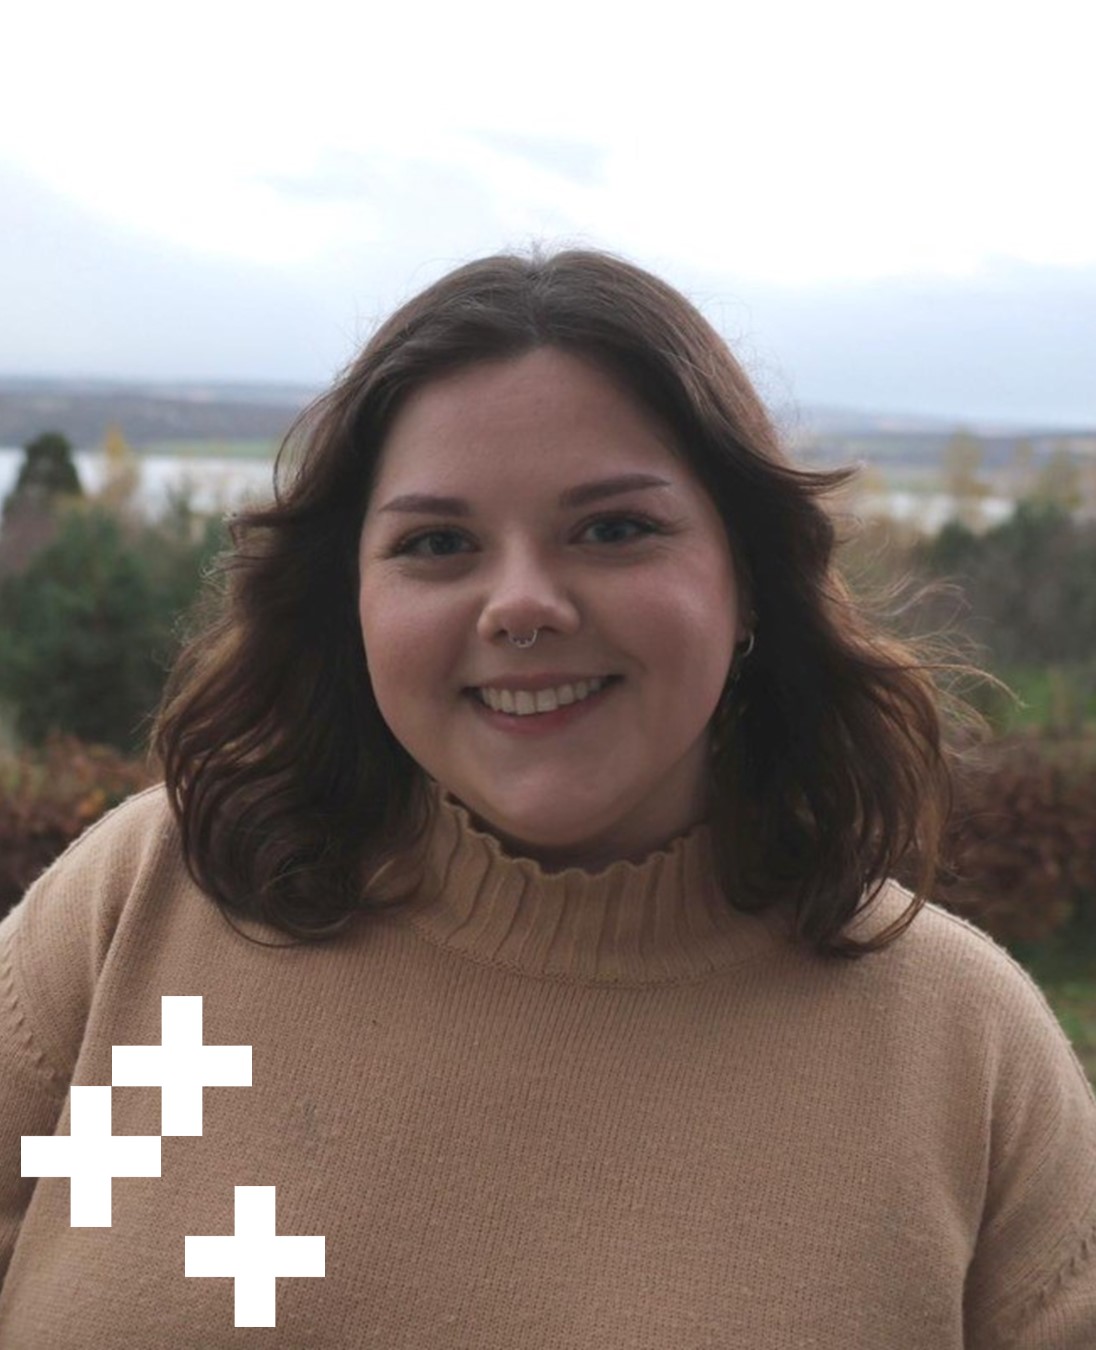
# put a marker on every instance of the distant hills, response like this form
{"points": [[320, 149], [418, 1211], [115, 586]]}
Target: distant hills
{"points": [[147, 414], [162, 414]]}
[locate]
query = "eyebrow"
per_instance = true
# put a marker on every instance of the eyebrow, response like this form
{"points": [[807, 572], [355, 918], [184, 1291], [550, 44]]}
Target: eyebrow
{"points": [[425, 504]]}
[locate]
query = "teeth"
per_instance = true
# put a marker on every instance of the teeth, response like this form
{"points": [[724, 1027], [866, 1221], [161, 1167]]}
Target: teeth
{"points": [[522, 703]]}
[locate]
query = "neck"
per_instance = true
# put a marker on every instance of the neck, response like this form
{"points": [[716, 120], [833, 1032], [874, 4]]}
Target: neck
{"points": [[661, 918]]}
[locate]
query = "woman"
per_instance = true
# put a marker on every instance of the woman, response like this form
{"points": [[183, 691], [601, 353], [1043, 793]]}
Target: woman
{"points": [[532, 798]]}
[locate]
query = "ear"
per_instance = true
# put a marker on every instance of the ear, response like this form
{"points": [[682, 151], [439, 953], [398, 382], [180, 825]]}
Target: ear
{"points": [[747, 616], [744, 585]]}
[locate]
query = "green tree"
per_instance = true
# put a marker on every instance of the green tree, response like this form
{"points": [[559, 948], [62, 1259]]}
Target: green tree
{"points": [[88, 627], [1030, 583], [47, 473]]}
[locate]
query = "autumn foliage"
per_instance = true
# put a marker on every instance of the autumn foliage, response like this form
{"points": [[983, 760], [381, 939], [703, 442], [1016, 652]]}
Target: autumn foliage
{"points": [[1021, 842], [50, 796]]}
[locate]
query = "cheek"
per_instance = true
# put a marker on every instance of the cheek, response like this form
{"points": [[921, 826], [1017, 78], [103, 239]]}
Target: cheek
{"points": [[387, 638], [390, 655], [405, 650], [697, 632], [697, 605]]}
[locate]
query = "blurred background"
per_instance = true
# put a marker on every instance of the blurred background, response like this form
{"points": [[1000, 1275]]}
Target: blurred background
{"points": [[205, 212]]}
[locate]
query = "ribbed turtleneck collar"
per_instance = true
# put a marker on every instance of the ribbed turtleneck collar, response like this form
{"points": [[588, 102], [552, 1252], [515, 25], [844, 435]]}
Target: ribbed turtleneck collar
{"points": [[661, 920]]}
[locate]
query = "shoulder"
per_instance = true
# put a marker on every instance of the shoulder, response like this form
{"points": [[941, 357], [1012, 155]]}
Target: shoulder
{"points": [[99, 867], [140, 824], [973, 991], [55, 941], [1033, 1266], [942, 945]]}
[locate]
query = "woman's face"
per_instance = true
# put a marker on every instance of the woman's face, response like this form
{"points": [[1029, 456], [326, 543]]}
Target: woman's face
{"points": [[660, 609]]}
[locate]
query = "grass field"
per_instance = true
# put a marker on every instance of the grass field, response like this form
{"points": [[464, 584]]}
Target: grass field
{"points": [[1074, 1003], [1066, 973], [1057, 698], [255, 449]]}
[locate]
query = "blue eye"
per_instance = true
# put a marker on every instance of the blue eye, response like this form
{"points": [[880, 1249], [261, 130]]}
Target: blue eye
{"points": [[406, 546]]}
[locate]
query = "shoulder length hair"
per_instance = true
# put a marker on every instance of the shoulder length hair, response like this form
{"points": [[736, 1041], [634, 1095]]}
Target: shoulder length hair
{"points": [[830, 764]]}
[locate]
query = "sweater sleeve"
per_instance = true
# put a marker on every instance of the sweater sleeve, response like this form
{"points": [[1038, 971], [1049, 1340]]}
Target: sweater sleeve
{"points": [[52, 948], [1032, 1282]]}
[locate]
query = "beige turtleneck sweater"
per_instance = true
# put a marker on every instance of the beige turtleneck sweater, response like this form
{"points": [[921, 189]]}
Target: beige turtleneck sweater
{"points": [[548, 1111]]}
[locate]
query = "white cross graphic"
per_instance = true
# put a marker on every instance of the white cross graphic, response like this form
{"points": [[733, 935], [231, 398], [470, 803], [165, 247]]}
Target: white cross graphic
{"points": [[90, 1156], [254, 1257], [181, 1066]]}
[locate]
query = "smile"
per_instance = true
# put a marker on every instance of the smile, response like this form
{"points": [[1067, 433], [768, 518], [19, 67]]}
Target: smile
{"points": [[537, 723], [524, 703]]}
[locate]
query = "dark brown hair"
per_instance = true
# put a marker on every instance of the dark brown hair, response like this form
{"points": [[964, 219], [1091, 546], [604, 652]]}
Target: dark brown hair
{"points": [[830, 766]]}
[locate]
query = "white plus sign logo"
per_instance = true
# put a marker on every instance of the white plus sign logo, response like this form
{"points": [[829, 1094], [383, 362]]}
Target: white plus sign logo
{"points": [[254, 1257], [90, 1156], [181, 1066]]}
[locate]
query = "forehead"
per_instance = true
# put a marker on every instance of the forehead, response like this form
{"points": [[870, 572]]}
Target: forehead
{"points": [[544, 409]]}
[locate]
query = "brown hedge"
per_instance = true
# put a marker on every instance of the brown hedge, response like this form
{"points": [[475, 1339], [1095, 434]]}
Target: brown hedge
{"points": [[49, 796], [1021, 844]]}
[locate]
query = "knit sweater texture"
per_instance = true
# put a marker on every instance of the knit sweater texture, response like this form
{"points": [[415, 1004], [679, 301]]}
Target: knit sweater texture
{"points": [[548, 1111]]}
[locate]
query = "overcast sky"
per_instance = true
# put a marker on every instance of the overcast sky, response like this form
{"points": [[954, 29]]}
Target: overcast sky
{"points": [[884, 207]]}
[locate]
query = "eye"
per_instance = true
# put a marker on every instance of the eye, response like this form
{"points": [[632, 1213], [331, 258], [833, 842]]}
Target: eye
{"points": [[408, 545]]}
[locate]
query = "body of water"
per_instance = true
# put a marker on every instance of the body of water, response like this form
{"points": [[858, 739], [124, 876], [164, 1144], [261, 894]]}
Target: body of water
{"points": [[929, 510], [218, 484], [223, 484]]}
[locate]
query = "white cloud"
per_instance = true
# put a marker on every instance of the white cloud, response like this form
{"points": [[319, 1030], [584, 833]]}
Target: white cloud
{"points": [[789, 142], [850, 186]]}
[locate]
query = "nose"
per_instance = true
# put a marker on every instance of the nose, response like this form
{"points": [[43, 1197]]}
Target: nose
{"points": [[526, 595]]}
